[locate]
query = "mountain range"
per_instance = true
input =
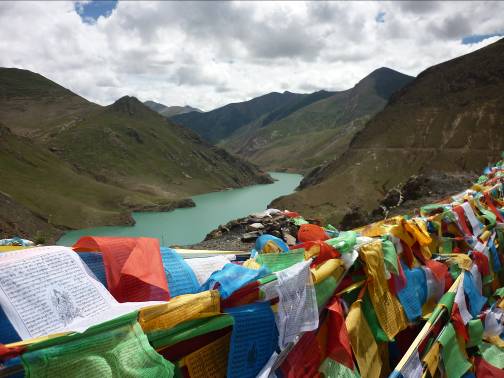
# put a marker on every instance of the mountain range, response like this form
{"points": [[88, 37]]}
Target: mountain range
{"points": [[77, 164], [294, 131], [318, 128], [449, 119], [220, 123], [66, 162]]}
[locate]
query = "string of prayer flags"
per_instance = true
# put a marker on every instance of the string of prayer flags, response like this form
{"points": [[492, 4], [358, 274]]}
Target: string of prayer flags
{"points": [[134, 267], [410, 291]]}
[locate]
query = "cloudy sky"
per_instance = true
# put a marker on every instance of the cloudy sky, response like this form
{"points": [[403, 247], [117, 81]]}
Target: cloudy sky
{"points": [[207, 54]]}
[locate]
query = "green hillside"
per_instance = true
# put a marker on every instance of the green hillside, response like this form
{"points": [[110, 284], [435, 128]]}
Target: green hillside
{"points": [[449, 119], [218, 124], [76, 164], [320, 130]]}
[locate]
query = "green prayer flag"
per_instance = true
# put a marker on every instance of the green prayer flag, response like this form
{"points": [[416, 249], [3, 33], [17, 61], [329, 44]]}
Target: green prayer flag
{"points": [[455, 271], [446, 301], [390, 256], [492, 354], [188, 330], [475, 332], [344, 242], [446, 245], [324, 291], [280, 261], [299, 221], [370, 315], [332, 369], [453, 359], [118, 348], [372, 319], [267, 279], [499, 292]]}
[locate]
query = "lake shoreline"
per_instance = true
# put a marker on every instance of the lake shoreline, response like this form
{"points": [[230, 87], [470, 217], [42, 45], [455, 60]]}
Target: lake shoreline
{"points": [[163, 223]]}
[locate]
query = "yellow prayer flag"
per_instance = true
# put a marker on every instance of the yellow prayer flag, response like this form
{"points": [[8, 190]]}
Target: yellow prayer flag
{"points": [[363, 343], [432, 358], [209, 361], [388, 309], [327, 268], [313, 251], [252, 264], [463, 261], [180, 309]]}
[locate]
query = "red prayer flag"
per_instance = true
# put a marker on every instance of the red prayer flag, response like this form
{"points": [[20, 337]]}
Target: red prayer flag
{"points": [[133, 266], [482, 262], [462, 220], [458, 323], [8, 353], [311, 232], [304, 359], [338, 341], [492, 207], [487, 370]]}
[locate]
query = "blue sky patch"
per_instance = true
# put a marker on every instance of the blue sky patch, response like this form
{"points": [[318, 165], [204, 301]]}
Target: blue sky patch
{"points": [[380, 17], [91, 11], [475, 38]]}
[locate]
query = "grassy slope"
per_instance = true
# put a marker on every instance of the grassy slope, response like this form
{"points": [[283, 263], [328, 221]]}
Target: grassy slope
{"points": [[79, 164], [449, 119], [320, 131], [37, 179], [215, 125], [31, 105], [161, 157]]}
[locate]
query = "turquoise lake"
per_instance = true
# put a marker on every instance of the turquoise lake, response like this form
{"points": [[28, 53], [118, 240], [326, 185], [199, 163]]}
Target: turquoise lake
{"points": [[191, 225]]}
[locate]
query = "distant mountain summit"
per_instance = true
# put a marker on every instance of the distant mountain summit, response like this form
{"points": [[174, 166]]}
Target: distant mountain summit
{"points": [[170, 111], [449, 119], [317, 127]]}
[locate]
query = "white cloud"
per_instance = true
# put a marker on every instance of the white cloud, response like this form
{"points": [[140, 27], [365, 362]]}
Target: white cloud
{"points": [[207, 54]]}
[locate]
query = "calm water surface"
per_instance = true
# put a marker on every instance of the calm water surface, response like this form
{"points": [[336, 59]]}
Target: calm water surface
{"points": [[190, 225]]}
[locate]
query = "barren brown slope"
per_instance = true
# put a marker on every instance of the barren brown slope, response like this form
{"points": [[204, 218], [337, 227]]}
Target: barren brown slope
{"points": [[449, 119]]}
